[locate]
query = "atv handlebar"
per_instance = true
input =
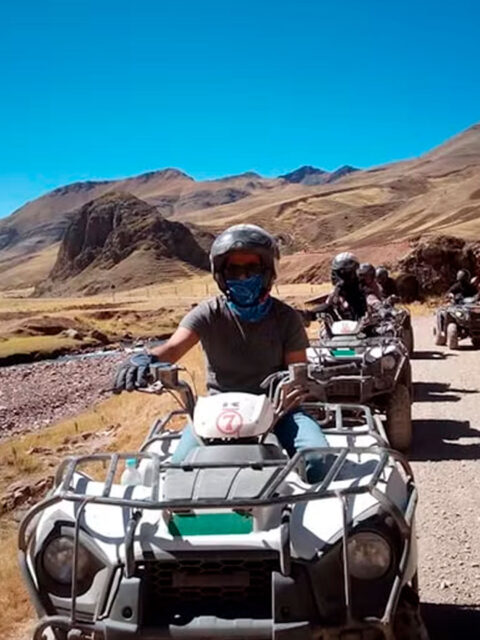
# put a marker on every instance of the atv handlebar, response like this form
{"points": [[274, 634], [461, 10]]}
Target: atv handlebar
{"points": [[285, 389]]}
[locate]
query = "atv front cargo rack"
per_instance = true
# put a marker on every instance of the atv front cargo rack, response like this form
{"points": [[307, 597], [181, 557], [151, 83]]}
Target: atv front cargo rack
{"points": [[268, 495]]}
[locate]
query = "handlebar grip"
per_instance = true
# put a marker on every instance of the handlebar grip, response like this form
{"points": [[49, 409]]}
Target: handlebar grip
{"points": [[165, 373]]}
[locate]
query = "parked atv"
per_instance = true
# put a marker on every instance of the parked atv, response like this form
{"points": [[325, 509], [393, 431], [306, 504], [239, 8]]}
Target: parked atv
{"points": [[456, 321], [361, 362], [233, 542]]}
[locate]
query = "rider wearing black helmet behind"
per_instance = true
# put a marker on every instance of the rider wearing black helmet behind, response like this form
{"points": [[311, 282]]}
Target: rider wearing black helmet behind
{"points": [[246, 335], [347, 300], [369, 286], [386, 284], [463, 287]]}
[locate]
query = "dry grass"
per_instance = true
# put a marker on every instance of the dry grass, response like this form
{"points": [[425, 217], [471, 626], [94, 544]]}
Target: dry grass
{"points": [[148, 311], [36, 344], [133, 413], [14, 601]]}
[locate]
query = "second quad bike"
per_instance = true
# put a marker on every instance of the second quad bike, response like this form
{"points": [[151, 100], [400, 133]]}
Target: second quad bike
{"points": [[356, 365], [233, 542], [456, 321], [401, 321]]}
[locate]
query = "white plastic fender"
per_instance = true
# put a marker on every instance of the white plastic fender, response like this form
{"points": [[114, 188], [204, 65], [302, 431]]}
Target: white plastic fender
{"points": [[232, 415]]}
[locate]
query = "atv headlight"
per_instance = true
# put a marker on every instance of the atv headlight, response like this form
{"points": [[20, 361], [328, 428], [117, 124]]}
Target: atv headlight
{"points": [[389, 362], [459, 314], [373, 354], [369, 555], [57, 560]]}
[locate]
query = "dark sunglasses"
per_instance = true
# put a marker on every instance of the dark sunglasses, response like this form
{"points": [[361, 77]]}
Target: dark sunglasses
{"points": [[236, 271]]}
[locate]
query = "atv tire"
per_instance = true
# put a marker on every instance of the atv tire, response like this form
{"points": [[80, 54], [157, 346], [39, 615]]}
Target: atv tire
{"points": [[399, 418], [406, 377], [476, 343], [439, 337], [452, 336], [407, 339], [408, 623]]}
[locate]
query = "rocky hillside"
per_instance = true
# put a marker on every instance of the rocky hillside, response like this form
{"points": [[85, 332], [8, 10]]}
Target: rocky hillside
{"points": [[29, 237], [117, 239]]}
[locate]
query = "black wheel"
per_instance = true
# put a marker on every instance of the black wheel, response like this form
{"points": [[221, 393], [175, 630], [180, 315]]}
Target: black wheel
{"points": [[407, 338], [406, 377], [408, 623], [439, 338], [476, 343], [399, 418], [452, 336]]}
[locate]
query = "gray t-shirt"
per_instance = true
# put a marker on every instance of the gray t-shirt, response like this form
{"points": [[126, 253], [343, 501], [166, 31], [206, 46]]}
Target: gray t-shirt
{"points": [[240, 355]]}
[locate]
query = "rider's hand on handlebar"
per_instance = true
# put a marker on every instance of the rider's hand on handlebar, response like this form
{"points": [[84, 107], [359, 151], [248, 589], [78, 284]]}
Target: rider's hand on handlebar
{"points": [[133, 374]]}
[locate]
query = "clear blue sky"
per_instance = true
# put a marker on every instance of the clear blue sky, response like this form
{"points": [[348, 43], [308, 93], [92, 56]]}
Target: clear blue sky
{"points": [[93, 89]]}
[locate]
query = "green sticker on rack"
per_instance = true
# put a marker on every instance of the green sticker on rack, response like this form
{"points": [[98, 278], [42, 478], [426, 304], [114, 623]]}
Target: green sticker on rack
{"points": [[343, 353], [209, 524]]}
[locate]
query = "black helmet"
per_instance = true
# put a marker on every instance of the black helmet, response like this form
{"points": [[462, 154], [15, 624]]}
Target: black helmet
{"points": [[344, 268], [366, 272], [463, 275], [250, 239], [381, 273]]}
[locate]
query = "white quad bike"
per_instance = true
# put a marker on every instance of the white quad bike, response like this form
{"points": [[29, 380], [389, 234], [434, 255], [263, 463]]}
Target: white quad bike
{"points": [[366, 362], [233, 542]]}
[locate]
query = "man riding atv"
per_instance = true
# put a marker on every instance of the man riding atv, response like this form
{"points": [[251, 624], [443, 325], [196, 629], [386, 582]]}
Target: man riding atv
{"points": [[369, 285], [463, 286], [347, 301], [386, 284], [246, 335], [459, 317]]}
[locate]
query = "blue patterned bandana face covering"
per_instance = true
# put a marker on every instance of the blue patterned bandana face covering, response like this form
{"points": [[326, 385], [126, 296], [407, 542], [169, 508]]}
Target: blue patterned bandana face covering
{"points": [[244, 299]]}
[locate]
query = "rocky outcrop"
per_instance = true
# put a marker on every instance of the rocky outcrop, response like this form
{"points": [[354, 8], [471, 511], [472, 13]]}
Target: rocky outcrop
{"points": [[108, 230], [435, 262]]}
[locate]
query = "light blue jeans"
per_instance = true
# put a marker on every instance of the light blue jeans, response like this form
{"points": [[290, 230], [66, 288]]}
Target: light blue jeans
{"points": [[295, 431]]}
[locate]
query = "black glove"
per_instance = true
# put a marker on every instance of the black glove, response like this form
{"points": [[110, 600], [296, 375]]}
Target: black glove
{"points": [[132, 374]]}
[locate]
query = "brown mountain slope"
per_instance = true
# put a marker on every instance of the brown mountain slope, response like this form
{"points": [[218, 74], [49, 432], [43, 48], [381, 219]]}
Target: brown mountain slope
{"points": [[29, 233], [436, 193], [118, 239]]}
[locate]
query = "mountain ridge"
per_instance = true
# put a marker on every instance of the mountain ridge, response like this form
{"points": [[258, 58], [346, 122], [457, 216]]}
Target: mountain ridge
{"points": [[434, 193]]}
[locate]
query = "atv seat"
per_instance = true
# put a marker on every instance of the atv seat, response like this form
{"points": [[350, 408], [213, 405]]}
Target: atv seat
{"points": [[223, 483], [241, 453]]}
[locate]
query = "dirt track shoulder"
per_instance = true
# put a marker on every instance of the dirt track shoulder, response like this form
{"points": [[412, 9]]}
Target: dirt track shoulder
{"points": [[446, 461]]}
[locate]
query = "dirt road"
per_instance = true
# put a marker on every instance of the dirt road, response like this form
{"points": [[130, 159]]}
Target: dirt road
{"points": [[446, 461]]}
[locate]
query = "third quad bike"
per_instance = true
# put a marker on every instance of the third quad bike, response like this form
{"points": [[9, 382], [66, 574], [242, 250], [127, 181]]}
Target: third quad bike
{"points": [[233, 542], [359, 365], [458, 320]]}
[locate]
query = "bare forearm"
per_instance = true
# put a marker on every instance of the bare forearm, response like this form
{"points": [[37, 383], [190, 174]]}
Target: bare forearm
{"points": [[167, 353], [177, 346]]}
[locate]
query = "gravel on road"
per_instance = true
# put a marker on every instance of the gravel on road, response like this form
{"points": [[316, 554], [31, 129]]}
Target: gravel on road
{"points": [[446, 461], [35, 395]]}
